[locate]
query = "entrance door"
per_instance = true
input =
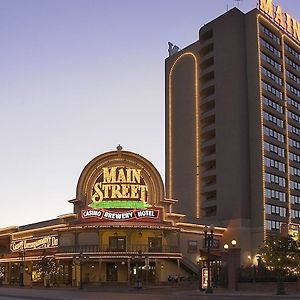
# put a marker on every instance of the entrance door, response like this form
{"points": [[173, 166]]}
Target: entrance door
{"points": [[112, 272]]}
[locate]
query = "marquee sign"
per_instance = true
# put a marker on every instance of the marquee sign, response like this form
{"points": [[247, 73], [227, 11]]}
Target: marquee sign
{"points": [[284, 20], [34, 243], [120, 187], [119, 193], [122, 215]]}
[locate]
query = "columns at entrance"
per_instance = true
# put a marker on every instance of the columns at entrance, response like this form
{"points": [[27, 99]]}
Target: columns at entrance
{"points": [[99, 270], [128, 271]]}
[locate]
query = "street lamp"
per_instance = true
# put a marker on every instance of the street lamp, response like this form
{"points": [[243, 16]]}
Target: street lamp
{"points": [[209, 237], [22, 258], [139, 275]]}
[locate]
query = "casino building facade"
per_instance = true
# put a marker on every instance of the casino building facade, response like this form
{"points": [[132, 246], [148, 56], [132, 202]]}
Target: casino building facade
{"points": [[122, 229]]}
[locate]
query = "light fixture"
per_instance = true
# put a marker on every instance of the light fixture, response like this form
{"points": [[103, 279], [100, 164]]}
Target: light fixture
{"points": [[200, 259], [226, 246], [233, 243]]}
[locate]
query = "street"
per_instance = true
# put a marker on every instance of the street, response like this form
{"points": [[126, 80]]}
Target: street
{"points": [[165, 293]]}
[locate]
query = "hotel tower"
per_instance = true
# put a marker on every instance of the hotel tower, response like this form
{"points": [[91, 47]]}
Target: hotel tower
{"points": [[233, 124]]}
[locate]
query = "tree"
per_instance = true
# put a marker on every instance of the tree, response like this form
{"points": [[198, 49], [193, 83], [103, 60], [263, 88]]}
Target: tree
{"points": [[47, 266], [280, 254]]}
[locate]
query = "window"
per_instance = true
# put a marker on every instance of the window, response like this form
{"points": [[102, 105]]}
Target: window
{"points": [[293, 116], [292, 76], [271, 178], [117, 243], [294, 157], [274, 134], [295, 185], [270, 47], [192, 247], [292, 51], [294, 143], [274, 149], [275, 210], [271, 61], [271, 75], [272, 104], [295, 214], [273, 119], [274, 164], [293, 102], [155, 244], [295, 171], [294, 130], [269, 33], [295, 199], [273, 225], [292, 64], [293, 90], [272, 194], [272, 90]]}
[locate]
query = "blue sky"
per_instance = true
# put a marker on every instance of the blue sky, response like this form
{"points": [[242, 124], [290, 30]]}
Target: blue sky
{"points": [[77, 78]]}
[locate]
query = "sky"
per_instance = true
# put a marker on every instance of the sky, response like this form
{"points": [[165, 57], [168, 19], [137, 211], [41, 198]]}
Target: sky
{"points": [[79, 77]]}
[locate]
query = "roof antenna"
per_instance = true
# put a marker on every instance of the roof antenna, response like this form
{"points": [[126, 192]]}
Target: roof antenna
{"points": [[238, 2]]}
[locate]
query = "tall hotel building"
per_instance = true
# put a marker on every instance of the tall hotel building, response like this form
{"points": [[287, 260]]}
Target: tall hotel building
{"points": [[233, 124]]}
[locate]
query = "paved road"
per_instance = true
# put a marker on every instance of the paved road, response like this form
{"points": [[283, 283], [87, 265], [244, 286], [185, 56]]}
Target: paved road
{"points": [[155, 294]]}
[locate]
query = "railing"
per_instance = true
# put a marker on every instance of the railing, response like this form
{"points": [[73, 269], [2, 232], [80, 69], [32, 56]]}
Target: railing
{"points": [[107, 248]]}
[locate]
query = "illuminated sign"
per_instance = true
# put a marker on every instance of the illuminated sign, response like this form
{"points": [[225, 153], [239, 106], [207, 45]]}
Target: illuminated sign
{"points": [[121, 215], [282, 19], [34, 243], [120, 187], [119, 193], [204, 278]]}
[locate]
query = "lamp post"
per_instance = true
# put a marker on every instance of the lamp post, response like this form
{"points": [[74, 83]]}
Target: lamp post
{"points": [[139, 275], [208, 238], [22, 258], [82, 258]]}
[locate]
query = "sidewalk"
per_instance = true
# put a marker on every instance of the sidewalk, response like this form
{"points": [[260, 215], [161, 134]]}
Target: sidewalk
{"points": [[155, 291], [238, 294]]}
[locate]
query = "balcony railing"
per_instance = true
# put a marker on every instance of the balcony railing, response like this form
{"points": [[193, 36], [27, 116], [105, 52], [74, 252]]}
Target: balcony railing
{"points": [[107, 248]]}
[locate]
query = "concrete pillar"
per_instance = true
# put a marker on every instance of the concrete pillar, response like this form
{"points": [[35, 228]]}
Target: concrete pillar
{"points": [[99, 270], [128, 271], [232, 259], [6, 266], [157, 271]]}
